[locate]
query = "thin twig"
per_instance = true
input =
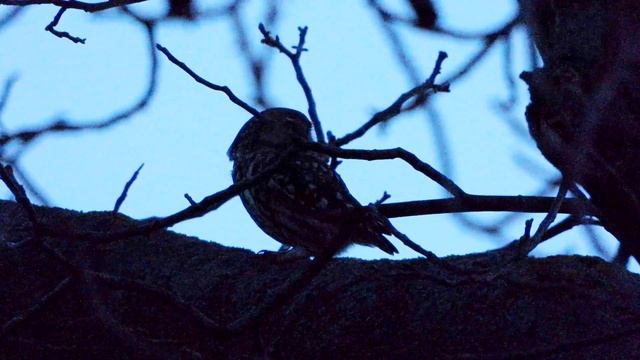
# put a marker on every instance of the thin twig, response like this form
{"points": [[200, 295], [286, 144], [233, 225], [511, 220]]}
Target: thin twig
{"points": [[295, 61], [225, 89], [489, 41], [29, 185], [190, 199], [201, 208], [125, 190], [65, 125], [396, 107], [568, 224], [62, 34], [530, 243]]}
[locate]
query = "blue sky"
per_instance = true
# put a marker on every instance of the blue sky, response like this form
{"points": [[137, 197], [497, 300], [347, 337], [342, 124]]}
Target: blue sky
{"points": [[182, 137]]}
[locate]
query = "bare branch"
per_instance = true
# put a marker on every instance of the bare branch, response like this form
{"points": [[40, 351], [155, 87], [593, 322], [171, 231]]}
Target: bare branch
{"points": [[568, 224], [489, 41], [387, 154], [6, 175], [481, 203], [73, 4], [199, 209], [225, 89], [190, 199], [123, 195], [62, 34], [396, 107], [65, 125], [29, 185], [530, 243], [295, 61]]}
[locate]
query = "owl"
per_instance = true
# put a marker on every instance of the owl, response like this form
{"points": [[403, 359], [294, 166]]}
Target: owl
{"points": [[304, 205]]}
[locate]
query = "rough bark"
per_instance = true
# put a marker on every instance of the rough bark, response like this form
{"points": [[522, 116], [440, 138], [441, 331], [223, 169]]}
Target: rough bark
{"points": [[558, 307], [585, 102]]}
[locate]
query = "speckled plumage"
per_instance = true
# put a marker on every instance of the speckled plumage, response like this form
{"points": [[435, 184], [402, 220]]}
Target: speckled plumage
{"points": [[304, 204]]}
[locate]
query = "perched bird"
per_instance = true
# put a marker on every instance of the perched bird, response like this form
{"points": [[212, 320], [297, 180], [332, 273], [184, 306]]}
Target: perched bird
{"points": [[304, 205]]}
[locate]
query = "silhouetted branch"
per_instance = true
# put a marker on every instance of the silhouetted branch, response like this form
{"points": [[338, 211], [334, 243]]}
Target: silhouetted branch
{"points": [[396, 107], [225, 89], [65, 125], [73, 4], [201, 208], [190, 199], [159, 293], [489, 41], [478, 203], [538, 237], [30, 187], [6, 175], [568, 224], [62, 34], [295, 61], [387, 154], [125, 190]]}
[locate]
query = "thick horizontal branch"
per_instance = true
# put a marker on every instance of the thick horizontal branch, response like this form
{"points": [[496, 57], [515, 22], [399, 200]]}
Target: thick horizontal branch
{"points": [[210, 286], [479, 203], [73, 4]]}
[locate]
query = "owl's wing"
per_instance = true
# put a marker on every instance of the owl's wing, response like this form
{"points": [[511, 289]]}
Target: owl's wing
{"points": [[320, 195]]}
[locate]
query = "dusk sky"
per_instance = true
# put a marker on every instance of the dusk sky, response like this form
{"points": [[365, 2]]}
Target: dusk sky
{"points": [[183, 135]]}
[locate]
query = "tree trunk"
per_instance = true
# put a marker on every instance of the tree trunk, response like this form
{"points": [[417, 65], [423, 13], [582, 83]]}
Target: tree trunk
{"points": [[585, 102]]}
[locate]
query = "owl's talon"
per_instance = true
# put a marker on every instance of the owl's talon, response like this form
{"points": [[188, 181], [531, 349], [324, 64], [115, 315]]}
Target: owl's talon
{"points": [[285, 254]]}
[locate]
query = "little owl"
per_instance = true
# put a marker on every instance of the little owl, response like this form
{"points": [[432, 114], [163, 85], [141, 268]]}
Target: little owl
{"points": [[304, 205]]}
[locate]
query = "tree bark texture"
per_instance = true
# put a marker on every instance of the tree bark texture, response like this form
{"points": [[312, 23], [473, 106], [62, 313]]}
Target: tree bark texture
{"points": [[585, 102], [559, 307]]}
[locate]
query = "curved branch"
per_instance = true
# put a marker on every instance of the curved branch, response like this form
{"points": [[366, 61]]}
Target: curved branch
{"points": [[396, 107], [64, 125], [225, 89]]}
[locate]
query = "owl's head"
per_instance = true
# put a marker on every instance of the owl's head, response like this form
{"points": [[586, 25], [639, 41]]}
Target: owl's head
{"points": [[275, 129]]}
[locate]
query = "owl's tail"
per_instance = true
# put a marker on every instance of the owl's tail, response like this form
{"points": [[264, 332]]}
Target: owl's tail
{"points": [[384, 244], [375, 226]]}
